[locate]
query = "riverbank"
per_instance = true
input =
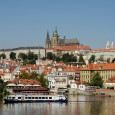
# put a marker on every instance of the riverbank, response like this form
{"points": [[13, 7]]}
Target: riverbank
{"points": [[97, 92]]}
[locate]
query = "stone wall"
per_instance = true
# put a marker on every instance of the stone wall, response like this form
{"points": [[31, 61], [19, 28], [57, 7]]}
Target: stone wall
{"points": [[7, 53]]}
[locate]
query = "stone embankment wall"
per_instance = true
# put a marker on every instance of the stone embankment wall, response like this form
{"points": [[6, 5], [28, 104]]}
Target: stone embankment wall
{"points": [[106, 91]]}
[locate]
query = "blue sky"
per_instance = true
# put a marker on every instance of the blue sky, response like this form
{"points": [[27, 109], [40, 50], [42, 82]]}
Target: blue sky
{"points": [[26, 22]]}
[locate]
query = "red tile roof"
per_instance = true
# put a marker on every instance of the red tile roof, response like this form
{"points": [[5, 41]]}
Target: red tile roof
{"points": [[99, 66], [111, 80], [26, 81], [76, 47], [102, 50], [1, 73]]}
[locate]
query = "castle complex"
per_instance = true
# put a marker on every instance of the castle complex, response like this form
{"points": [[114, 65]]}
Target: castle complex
{"points": [[56, 41]]}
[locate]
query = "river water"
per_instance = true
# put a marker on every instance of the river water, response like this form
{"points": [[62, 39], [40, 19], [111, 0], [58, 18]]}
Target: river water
{"points": [[77, 105]]}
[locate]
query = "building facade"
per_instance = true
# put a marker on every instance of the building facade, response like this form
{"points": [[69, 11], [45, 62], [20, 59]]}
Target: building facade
{"points": [[106, 71], [56, 41]]}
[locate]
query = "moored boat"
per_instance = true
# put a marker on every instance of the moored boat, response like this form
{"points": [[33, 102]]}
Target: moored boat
{"points": [[35, 98]]}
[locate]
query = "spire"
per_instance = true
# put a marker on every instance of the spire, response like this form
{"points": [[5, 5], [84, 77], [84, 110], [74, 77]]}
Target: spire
{"points": [[64, 36], [112, 45], [56, 29], [39, 54], [107, 45], [55, 33], [47, 34]]}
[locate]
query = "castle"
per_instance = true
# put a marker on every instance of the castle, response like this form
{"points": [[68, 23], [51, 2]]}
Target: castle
{"points": [[57, 42]]}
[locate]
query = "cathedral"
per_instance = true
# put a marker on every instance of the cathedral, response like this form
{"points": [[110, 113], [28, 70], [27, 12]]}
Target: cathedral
{"points": [[57, 42]]}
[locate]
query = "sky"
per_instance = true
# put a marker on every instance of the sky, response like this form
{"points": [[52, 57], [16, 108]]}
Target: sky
{"points": [[25, 23]]}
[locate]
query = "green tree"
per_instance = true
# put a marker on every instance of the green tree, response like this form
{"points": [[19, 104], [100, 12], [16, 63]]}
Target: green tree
{"points": [[22, 56], [30, 55], [101, 58], [92, 59], [43, 81], [81, 60], [34, 76], [24, 75], [113, 61], [3, 56], [66, 57], [2, 85], [96, 79], [108, 60], [12, 55], [44, 58], [50, 55]]}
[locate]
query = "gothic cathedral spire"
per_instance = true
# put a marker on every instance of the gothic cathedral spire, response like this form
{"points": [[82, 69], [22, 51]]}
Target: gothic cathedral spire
{"points": [[48, 42]]}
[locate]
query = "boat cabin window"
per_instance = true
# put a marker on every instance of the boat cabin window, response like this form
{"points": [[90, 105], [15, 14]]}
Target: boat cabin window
{"points": [[46, 97], [39, 97], [29, 97], [32, 97], [50, 97], [13, 97], [26, 98], [43, 97], [36, 97], [9, 97], [19, 97]]}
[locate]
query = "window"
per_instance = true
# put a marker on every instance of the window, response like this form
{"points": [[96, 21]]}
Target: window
{"points": [[13, 97], [43, 97], [19, 97], [36, 97], [39, 97], [50, 97], [29, 97], [32, 97], [25, 97], [46, 97]]}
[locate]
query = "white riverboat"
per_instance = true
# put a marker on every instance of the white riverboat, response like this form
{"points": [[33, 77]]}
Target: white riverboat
{"points": [[35, 98]]}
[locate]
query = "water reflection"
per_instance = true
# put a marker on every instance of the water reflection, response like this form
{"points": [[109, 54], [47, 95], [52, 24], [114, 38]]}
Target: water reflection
{"points": [[77, 105]]}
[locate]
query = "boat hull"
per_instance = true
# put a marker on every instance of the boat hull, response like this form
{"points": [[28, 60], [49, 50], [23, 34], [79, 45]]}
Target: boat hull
{"points": [[30, 101]]}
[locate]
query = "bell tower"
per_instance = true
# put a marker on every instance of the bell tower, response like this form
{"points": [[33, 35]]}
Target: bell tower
{"points": [[55, 39], [48, 42], [107, 45]]}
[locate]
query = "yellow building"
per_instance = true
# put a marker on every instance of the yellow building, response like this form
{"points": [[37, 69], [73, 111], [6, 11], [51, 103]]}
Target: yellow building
{"points": [[106, 71]]}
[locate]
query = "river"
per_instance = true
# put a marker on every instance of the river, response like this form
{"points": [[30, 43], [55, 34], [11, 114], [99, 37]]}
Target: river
{"points": [[77, 105]]}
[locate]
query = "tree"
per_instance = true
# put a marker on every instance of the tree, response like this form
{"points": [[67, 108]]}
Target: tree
{"points": [[96, 79], [22, 56], [3, 56], [30, 55], [92, 59], [43, 81], [108, 60], [1, 86], [81, 60], [113, 61], [12, 55], [50, 55], [101, 58], [34, 76], [24, 75]]}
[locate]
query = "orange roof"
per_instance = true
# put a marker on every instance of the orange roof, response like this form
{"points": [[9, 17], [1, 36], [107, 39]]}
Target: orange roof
{"points": [[81, 82], [102, 50], [26, 81], [76, 47], [99, 66], [111, 80], [1, 73]]}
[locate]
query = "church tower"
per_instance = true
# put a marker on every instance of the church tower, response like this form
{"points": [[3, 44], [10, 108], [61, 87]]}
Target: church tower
{"points": [[112, 45], [107, 45], [55, 39], [48, 42]]}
